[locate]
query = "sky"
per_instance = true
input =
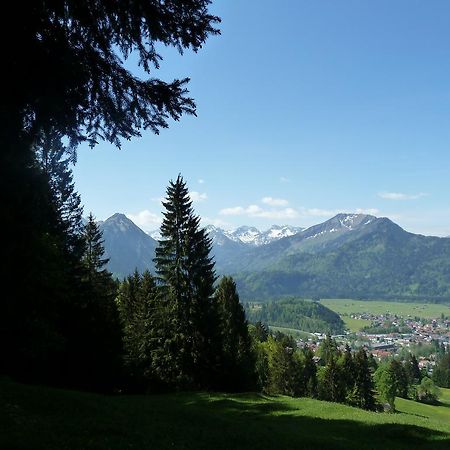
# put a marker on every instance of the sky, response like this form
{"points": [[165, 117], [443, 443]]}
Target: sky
{"points": [[304, 109]]}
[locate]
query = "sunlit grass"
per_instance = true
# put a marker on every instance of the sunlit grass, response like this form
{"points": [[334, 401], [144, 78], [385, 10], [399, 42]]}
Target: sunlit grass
{"points": [[44, 418]]}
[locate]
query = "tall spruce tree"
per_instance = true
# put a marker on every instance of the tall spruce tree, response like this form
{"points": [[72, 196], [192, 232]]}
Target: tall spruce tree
{"points": [[236, 368], [93, 258], [363, 393], [94, 324], [83, 91], [137, 303], [51, 268], [55, 160], [186, 277]]}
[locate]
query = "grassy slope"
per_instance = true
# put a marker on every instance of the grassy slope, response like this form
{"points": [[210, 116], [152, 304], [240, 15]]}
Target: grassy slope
{"points": [[297, 334], [44, 418]]}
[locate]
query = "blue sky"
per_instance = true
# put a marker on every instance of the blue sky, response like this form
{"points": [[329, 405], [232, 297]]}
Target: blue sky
{"points": [[305, 109]]}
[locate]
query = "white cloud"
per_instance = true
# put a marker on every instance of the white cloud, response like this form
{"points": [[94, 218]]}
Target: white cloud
{"points": [[216, 222], [284, 180], [240, 211], [274, 201], [285, 213], [198, 196], [146, 220], [400, 196], [200, 181], [370, 211], [257, 211]]}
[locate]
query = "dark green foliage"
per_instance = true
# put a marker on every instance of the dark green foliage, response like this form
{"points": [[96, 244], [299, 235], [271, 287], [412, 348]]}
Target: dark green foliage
{"points": [[38, 264], [401, 378], [308, 382], [344, 376], [412, 369], [348, 371], [328, 350], [362, 394], [331, 381], [299, 314], [94, 321], [261, 331], [82, 91], [391, 381], [187, 355], [93, 258], [54, 160], [441, 372], [138, 305], [284, 367], [386, 384], [83, 88], [64, 305], [237, 364], [427, 392]]}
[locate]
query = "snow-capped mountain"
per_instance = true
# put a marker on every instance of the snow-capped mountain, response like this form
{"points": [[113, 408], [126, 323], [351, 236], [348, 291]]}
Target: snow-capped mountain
{"points": [[251, 235], [348, 256], [155, 234], [276, 232]]}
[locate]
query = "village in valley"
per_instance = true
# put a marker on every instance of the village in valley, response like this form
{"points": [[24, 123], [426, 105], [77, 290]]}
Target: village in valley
{"points": [[392, 335]]}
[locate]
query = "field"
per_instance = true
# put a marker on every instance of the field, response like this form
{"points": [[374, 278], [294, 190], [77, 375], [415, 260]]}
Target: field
{"points": [[45, 418], [298, 334], [345, 307]]}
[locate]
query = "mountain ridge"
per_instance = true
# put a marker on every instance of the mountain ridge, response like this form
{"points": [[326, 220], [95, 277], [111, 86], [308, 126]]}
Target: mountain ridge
{"points": [[349, 255]]}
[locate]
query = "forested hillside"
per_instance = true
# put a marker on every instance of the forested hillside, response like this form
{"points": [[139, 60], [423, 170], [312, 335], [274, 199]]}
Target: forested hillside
{"points": [[296, 313]]}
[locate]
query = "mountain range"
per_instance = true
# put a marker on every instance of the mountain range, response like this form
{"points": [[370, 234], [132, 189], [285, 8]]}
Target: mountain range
{"points": [[349, 255]]}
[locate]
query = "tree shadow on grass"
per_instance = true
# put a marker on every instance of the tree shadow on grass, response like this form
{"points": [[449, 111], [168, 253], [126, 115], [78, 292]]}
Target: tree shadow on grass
{"points": [[275, 424], [34, 418]]}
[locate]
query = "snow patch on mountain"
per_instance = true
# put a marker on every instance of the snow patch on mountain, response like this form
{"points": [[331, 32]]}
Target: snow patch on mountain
{"points": [[251, 235]]}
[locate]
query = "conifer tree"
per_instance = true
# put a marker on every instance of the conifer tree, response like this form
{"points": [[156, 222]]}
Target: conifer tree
{"points": [[186, 277], [328, 349], [137, 303], [331, 384], [236, 359], [50, 259], [309, 373], [54, 160], [348, 370], [401, 378], [363, 393], [94, 324], [412, 369], [93, 259], [261, 331], [284, 368]]}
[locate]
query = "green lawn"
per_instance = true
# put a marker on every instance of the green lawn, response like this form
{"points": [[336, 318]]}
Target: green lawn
{"points": [[44, 418], [292, 332], [438, 414], [345, 307], [354, 325]]}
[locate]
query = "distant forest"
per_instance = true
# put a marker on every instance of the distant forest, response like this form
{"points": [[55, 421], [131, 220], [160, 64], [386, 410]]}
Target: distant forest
{"points": [[296, 313]]}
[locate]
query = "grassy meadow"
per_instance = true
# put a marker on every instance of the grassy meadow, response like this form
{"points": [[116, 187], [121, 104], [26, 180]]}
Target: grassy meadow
{"points": [[46, 418], [345, 307], [298, 334]]}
